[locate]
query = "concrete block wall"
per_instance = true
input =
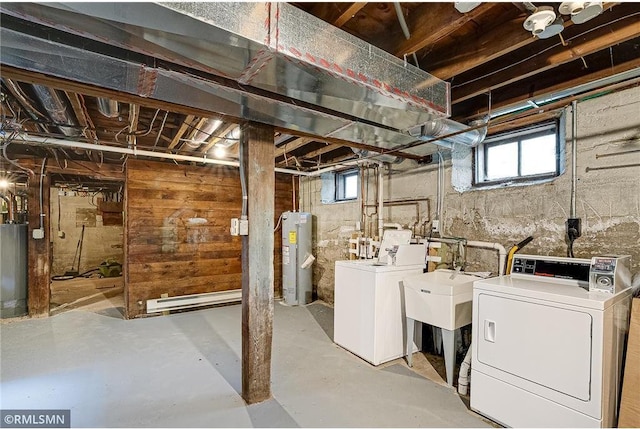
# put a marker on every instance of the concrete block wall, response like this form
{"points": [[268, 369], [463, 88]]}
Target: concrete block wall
{"points": [[100, 242], [608, 201]]}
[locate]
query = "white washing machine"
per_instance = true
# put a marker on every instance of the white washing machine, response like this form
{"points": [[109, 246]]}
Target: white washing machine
{"points": [[369, 315], [547, 352]]}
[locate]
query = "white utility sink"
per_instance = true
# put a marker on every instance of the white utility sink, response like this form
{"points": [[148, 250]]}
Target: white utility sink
{"points": [[441, 298]]}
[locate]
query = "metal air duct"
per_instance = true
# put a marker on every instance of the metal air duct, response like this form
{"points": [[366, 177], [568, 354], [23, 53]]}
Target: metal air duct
{"points": [[108, 108], [57, 108], [444, 127], [272, 46], [363, 153], [26, 52]]}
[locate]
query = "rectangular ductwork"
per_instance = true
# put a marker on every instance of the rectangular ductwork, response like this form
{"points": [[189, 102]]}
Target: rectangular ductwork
{"points": [[274, 47]]}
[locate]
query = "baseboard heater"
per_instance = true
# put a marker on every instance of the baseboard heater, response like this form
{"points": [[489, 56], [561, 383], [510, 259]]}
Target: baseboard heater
{"points": [[192, 301]]}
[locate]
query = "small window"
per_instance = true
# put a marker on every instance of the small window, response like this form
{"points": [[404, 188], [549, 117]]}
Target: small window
{"points": [[347, 185], [523, 154], [339, 186]]}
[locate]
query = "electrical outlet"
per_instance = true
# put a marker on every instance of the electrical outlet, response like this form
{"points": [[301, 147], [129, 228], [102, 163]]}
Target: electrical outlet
{"points": [[61, 234], [435, 226], [244, 226], [235, 226], [574, 224]]}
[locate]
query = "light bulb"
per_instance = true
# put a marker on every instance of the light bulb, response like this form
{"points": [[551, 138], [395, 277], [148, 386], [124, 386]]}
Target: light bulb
{"points": [[219, 152], [235, 134], [4, 183]]}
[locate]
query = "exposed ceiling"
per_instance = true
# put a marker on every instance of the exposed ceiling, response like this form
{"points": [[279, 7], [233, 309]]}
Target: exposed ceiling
{"points": [[490, 61]]}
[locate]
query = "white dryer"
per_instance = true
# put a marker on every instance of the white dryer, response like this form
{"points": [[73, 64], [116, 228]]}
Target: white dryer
{"points": [[546, 351]]}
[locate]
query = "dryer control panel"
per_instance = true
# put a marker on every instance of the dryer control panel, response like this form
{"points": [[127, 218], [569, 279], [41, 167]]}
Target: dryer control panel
{"points": [[570, 269], [610, 274]]}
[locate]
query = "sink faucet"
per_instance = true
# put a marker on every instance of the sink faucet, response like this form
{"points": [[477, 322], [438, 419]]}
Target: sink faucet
{"points": [[455, 272], [392, 253]]}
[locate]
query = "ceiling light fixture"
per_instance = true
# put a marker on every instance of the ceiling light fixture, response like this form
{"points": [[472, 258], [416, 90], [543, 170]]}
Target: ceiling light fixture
{"points": [[581, 11], [552, 29], [466, 6], [538, 21], [219, 151]]}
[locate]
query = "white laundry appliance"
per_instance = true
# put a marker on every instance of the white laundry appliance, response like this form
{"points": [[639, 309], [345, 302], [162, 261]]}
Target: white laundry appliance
{"points": [[369, 316], [441, 298], [547, 351]]}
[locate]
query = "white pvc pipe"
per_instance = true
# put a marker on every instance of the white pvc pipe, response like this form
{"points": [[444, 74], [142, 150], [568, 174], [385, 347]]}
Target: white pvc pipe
{"points": [[463, 377], [25, 138], [482, 245], [496, 246], [393, 225], [380, 204], [334, 167], [574, 156]]}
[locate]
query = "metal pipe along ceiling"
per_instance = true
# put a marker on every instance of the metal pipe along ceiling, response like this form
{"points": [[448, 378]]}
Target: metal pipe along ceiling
{"points": [[49, 141]]}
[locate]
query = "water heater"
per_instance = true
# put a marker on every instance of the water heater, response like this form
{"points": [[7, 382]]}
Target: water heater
{"points": [[13, 270], [297, 259]]}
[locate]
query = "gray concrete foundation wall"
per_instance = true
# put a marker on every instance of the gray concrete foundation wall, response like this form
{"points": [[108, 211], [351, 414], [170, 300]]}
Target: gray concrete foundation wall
{"points": [[608, 201]]}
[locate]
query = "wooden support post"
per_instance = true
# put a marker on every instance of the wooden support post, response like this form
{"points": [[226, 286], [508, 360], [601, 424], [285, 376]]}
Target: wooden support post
{"points": [[257, 262], [39, 250]]}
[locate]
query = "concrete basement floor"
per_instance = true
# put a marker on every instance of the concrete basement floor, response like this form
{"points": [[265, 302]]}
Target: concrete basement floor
{"points": [[184, 370]]}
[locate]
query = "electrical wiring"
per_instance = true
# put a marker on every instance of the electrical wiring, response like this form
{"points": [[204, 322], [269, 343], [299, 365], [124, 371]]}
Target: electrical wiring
{"points": [[278, 224], [13, 162], [44, 162], [510, 65]]}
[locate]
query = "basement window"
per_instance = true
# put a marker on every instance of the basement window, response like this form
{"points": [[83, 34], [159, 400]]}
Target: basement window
{"points": [[340, 186], [525, 154], [347, 185]]}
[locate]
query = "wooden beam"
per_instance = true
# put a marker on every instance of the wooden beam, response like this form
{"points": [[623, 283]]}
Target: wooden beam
{"points": [[198, 126], [518, 93], [257, 263], [134, 115], [87, 89], [321, 151], [293, 145], [342, 143], [349, 13], [433, 22], [489, 45], [217, 137], [522, 122], [66, 85], [616, 32], [82, 115], [183, 129], [107, 172], [39, 250]]}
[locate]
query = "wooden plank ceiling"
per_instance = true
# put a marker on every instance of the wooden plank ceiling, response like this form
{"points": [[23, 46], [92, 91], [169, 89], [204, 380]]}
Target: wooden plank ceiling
{"points": [[488, 57]]}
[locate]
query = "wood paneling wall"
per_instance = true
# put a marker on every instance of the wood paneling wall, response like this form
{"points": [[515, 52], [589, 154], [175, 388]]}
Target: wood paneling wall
{"points": [[165, 252]]}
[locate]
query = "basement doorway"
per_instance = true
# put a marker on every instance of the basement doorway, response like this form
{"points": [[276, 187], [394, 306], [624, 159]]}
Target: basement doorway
{"points": [[87, 246]]}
